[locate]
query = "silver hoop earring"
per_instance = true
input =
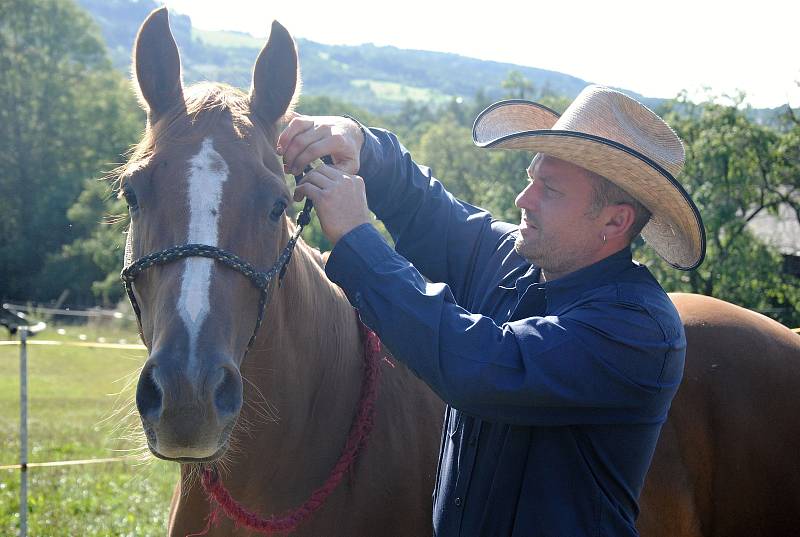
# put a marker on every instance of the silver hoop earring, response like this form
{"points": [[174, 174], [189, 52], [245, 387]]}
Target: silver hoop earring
{"points": [[604, 238]]}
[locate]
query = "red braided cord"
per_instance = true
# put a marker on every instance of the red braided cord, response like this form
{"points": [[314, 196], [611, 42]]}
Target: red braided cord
{"points": [[359, 431]]}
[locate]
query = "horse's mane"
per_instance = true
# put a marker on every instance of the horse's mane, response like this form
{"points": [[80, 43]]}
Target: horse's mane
{"points": [[205, 104]]}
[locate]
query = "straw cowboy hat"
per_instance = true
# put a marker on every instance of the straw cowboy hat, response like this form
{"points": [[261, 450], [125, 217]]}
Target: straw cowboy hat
{"points": [[619, 138]]}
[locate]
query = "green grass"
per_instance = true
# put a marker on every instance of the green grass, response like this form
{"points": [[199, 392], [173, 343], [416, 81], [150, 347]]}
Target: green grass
{"points": [[72, 396]]}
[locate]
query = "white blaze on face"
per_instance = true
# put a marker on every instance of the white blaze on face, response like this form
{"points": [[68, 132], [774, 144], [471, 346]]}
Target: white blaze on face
{"points": [[207, 173]]}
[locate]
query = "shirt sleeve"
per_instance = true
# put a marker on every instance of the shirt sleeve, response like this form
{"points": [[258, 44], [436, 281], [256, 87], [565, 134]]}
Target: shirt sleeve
{"points": [[448, 240], [602, 363]]}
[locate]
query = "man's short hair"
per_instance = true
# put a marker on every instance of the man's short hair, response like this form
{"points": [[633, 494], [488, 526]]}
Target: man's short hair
{"points": [[605, 193]]}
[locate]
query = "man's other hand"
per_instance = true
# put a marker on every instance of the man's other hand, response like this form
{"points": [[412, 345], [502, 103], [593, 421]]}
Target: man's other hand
{"points": [[307, 138], [339, 198]]}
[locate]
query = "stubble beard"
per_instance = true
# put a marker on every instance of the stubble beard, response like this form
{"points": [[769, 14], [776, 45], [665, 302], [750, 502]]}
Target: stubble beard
{"points": [[549, 255], [526, 250], [535, 251]]}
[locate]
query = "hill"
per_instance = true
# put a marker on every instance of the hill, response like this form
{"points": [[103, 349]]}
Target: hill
{"points": [[379, 79]]}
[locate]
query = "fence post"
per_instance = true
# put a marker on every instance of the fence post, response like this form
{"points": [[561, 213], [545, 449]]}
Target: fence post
{"points": [[23, 432]]}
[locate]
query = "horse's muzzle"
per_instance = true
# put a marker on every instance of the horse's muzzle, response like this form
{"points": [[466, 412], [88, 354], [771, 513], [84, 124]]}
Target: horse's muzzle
{"points": [[188, 413]]}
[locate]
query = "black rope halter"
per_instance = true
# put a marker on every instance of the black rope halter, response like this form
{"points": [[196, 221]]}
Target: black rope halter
{"points": [[263, 281]]}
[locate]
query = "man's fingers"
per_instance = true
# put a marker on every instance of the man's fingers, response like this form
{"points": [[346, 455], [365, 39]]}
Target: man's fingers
{"points": [[329, 172], [299, 144], [307, 190], [318, 147], [297, 125], [339, 198], [326, 177], [326, 146], [335, 174], [319, 179]]}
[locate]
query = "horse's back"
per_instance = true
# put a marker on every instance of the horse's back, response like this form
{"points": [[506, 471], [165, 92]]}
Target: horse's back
{"points": [[726, 463]]}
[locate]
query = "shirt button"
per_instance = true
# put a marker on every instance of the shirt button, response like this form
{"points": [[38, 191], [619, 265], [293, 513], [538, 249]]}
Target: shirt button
{"points": [[357, 299], [458, 502]]}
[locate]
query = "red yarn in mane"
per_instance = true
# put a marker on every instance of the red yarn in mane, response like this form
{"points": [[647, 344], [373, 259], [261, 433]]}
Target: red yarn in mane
{"points": [[221, 500]]}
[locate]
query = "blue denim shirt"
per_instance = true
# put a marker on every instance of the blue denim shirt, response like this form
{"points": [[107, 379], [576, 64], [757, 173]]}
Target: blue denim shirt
{"points": [[556, 392]]}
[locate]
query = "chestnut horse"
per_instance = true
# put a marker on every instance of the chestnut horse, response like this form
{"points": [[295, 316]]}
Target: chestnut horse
{"points": [[207, 172], [727, 463]]}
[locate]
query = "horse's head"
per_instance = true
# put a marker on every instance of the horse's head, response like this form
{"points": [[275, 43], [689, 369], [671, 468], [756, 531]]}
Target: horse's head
{"points": [[205, 173]]}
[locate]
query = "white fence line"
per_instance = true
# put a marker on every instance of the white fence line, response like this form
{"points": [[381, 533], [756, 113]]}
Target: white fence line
{"points": [[24, 465], [94, 312]]}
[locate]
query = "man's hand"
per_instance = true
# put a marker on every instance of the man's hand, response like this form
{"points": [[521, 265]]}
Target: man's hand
{"points": [[307, 138], [340, 200]]}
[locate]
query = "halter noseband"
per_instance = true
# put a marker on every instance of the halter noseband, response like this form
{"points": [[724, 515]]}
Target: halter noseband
{"points": [[261, 280]]}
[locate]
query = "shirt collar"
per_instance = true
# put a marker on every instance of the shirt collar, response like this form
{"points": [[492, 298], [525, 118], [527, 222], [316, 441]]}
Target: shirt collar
{"points": [[569, 287]]}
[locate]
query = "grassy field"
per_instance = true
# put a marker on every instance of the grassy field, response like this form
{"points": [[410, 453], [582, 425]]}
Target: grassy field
{"points": [[73, 394], [392, 91]]}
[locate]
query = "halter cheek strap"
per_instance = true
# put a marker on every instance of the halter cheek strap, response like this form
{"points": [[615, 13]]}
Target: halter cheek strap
{"points": [[263, 281]]}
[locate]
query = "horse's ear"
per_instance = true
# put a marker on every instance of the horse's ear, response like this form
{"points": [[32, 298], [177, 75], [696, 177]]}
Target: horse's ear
{"points": [[275, 76], [157, 65]]}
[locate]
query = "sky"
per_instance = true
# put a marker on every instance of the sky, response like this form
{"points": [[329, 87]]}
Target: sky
{"points": [[656, 49]]}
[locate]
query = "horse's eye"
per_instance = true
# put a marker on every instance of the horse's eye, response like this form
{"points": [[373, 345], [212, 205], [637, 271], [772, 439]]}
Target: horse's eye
{"points": [[130, 197], [277, 210]]}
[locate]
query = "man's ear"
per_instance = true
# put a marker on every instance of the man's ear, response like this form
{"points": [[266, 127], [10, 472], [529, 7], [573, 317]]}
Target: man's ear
{"points": [[618, 219]]}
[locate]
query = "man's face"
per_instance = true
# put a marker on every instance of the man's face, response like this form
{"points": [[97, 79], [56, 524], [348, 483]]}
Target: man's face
{"points": [[558, 230]]}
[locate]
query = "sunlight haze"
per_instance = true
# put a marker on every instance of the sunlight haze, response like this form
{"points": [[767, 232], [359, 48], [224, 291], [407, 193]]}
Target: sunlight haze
{"points": [[655, 49]]}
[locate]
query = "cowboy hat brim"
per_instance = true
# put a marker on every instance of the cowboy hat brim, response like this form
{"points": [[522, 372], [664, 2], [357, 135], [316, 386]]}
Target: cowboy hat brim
{"points": [[675, 230]]}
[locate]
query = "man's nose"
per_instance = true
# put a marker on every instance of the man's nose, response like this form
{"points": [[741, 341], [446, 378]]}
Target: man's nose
{"points": [[523, 200]]}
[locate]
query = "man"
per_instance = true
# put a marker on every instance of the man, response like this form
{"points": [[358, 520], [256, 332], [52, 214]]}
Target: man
{"points": [[557, 355]]}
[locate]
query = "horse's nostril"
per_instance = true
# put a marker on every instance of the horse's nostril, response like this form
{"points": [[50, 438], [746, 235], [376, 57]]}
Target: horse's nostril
{"points": [[148, 395], [228, 394]]}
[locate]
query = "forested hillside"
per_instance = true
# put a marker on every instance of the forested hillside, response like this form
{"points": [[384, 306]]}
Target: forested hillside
{"points": [[379, 79], [68, 114]]}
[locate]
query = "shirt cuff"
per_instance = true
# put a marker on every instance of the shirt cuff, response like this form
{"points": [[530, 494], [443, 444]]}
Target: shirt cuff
{"points": [[353, 257], [369, 157]]}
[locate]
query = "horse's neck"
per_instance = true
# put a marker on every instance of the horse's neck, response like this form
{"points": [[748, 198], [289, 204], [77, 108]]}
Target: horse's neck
{"points": [[307, 360]]}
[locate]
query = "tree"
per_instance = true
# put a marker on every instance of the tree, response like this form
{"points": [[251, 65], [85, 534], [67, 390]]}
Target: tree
{"points": [[735, 170], [518, 87], [486, 178], [788, 167], [89, 266], [64, 114]]}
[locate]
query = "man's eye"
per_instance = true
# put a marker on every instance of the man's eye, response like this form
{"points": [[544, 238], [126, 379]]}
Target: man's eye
{"points": [[277, 210], [553, 193]]}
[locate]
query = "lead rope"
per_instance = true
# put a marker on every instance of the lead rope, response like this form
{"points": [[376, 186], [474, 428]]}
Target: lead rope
{"points": [[222, 502], [220, 498]]}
